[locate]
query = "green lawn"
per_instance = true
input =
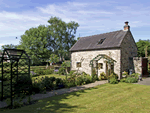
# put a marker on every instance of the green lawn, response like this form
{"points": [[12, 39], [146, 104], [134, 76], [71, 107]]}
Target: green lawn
{"points": [[106, 98]]}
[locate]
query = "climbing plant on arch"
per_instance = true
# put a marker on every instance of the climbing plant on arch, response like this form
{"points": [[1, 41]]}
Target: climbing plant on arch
{"points": [[95, 60]]}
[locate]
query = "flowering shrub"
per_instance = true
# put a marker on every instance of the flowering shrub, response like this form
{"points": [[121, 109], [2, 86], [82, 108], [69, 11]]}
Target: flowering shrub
{"points": [[103, 76], [113, 75], [113, 80]]}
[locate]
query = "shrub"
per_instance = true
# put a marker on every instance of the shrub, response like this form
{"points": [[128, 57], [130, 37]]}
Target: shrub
{"points": [[113, 75], [88, 79], [62, 71], [103, 76], [48, 71], [59, 81], [113, 80], [69, 83], [123, 80], [79, 80], [37, 71], [84, 73], [131, 80], [48, 82], [136, 75], [94, 75], [36, 88], [71, 72], [149, 70], [22, 83]]}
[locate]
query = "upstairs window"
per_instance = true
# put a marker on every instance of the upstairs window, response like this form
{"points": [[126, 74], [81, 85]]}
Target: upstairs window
{"points": [[101, 41]]}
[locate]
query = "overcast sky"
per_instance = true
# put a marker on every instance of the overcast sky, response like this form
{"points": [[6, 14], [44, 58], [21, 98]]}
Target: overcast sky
{"points": [[93, 16]]}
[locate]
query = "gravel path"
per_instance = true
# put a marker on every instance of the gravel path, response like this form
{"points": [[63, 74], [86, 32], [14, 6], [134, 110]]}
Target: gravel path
{"points": [[144, 81], [59, 92]]}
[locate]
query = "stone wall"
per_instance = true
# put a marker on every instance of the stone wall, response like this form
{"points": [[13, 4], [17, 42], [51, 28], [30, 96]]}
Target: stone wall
{"points": [[128, 51], [89, 55], [137, 64]]}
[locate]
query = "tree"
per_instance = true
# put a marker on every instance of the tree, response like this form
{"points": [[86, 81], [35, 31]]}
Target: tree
{"points": [[143, 48], [63, 35], [34, 42], [9, 46], [53, 58]]}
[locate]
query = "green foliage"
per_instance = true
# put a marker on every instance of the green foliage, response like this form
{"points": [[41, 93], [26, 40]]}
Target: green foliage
{"points": [[131, 80], [123, 80], [103, 76], [94, 75], [53, 58], [71, 72], [59, 29], [9, 46], [113, 75], [48, 82], [48, 71], [83, 79], [113, 80], [59, 81], [62, 69], [149, 71], [141, 45], [135, 75], [35, 42]]}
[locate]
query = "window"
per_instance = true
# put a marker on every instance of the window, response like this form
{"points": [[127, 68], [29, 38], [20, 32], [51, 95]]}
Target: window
{"points": [[101, 41], [78, 64], [100, 65]]}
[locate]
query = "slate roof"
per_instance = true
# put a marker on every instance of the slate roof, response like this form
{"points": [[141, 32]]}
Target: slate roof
{"points": [[113, 40]]}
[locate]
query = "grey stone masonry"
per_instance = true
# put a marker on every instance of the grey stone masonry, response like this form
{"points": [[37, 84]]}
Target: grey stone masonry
{"points": [[128, 51], [89, 55]]}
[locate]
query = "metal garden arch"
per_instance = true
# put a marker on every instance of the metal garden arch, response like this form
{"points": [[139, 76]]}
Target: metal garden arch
{"points": [[94, 61], [15, 77]]}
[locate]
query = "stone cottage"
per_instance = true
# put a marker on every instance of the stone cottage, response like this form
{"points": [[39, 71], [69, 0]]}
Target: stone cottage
{"points": [[119, 46]]}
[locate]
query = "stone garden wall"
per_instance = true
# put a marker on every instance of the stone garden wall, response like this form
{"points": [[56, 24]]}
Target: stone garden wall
{"points": [[137, 64]]}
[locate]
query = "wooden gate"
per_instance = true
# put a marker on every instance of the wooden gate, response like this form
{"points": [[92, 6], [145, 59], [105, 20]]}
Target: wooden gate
{"points": [[145, 67]]}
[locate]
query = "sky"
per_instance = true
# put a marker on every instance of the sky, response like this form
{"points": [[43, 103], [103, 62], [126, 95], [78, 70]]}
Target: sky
{"points": [[93, 16]]}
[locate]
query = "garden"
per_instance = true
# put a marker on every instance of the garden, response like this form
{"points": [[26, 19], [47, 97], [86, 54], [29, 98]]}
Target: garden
{"points": [[47, 80]]}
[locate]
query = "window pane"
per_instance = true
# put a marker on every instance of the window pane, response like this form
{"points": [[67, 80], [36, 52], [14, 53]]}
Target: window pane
{"points": [[78, 64]]}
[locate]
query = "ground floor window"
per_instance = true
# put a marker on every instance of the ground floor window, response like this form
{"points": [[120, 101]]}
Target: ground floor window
{"points": [[100, 65], [78, 64]]}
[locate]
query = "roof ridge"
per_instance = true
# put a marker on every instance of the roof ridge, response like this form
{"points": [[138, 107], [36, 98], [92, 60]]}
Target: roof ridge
{"points": [[100, 34]]}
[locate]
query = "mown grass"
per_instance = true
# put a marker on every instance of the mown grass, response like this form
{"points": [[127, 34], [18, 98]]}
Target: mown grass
{"points": [[106, 98]]}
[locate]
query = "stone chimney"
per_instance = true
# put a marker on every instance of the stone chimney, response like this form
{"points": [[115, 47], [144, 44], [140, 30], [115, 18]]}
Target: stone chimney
{"points": [[126, 26]]}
